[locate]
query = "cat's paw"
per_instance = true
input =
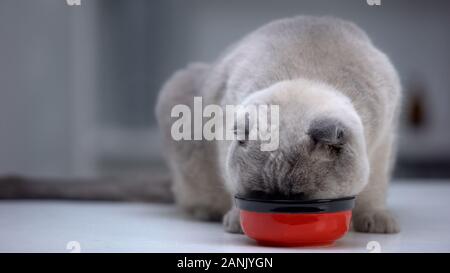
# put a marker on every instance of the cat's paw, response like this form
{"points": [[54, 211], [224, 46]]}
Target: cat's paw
{"points": [[204, 214], [232, 222], [375, 221]]}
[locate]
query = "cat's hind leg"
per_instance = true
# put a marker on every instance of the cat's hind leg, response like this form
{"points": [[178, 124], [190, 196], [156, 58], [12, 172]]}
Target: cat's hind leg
{"points": [[197, 185]]}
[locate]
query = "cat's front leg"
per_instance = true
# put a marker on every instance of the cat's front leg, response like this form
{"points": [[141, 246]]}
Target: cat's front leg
{"points": [[232, 222], [371, 213]]}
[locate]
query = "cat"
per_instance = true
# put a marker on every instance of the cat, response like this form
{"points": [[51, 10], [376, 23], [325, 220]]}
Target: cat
{"points": [[339, 99]]}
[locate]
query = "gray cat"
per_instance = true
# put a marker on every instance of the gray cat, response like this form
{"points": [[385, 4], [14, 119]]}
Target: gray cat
{"points": [[339, 100]]}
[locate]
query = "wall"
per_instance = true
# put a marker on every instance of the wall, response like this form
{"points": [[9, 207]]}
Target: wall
{"points": [[78, 84]]}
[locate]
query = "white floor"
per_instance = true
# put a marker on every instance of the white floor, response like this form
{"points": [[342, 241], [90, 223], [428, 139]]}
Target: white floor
{"points": [[423, 208]]}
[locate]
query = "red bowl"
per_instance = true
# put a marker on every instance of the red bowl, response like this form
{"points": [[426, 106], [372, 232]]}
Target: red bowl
{"points": [[295, 223]]}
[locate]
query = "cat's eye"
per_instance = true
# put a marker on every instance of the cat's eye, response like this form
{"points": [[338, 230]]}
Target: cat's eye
{"points": [[241, 142]]}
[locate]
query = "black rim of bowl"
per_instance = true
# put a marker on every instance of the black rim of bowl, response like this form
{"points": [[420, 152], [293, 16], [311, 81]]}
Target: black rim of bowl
{"points": [[295, 206]]}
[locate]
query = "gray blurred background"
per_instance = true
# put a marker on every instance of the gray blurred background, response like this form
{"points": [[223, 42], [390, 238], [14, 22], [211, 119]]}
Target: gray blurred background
{"points": [[78, 83]]}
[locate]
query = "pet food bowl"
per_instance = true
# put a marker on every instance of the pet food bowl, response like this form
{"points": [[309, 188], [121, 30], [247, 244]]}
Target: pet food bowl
{"points": [[295, 222]]}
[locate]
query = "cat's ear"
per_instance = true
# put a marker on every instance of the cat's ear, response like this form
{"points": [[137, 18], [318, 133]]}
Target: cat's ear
{"points": [[328, 136]]}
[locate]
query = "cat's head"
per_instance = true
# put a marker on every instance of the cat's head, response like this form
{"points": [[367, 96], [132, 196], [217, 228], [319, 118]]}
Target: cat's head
{"points": [[321, 150]]}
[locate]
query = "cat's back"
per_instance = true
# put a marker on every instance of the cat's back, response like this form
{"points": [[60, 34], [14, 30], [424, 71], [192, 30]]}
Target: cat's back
{"points": [[300, 46], [308, 28]]}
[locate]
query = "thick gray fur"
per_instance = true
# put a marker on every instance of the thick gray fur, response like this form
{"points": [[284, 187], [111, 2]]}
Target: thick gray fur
{"points": [[339, 98]]}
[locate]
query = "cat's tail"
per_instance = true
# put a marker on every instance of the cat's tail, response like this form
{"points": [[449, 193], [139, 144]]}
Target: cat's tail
{"points": [[145, 189]]}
